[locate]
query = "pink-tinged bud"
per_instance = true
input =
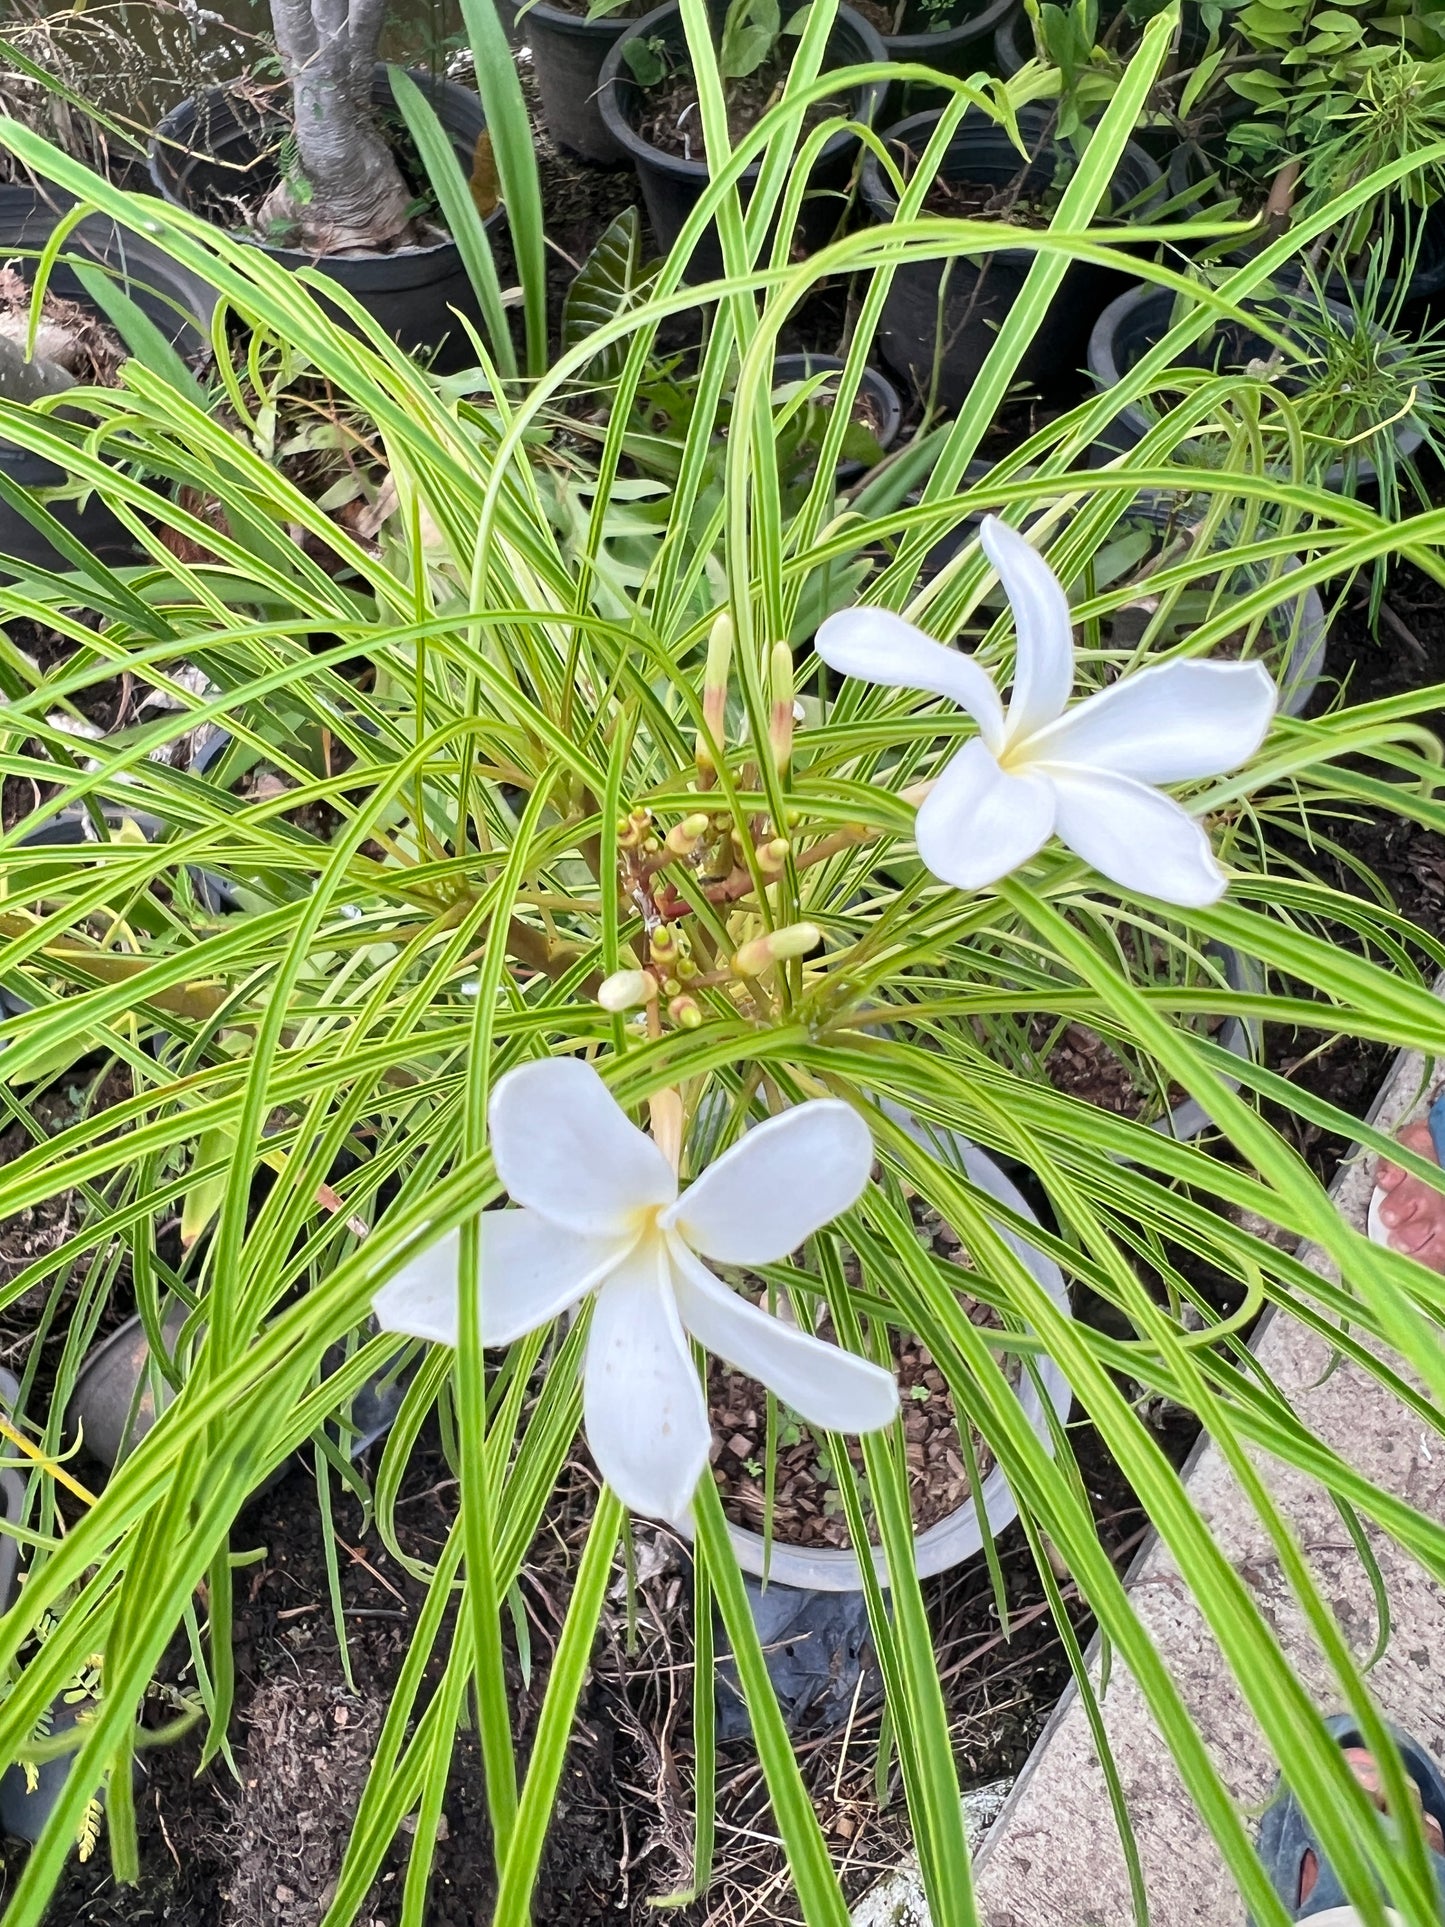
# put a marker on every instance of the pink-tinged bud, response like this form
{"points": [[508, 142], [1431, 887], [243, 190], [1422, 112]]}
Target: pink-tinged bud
{"points": [[780, 723], [795, 940], [715, 695], [772, 856], [683, 838], [626, 989], [685, 1012]]}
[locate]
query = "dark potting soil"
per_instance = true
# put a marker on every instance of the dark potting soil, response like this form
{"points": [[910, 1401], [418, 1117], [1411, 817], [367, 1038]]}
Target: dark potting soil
{"points": [[807, 1504], [975, 200], [670, 120]]}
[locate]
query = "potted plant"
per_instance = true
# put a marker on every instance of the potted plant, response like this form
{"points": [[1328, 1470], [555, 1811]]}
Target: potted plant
{"points": [[569, 46], [335, 185], [940, 318], [649, 102], [82, 343], [1332, 97], [955, 36], [1364, 400], [876, 418]]}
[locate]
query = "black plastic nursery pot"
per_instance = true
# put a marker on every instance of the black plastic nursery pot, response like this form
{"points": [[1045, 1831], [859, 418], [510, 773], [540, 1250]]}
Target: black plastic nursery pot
{"points": [[964, 47], [884, 403], [949, 312], [215, 154], [672, 185], [568, 53], [177, 302], [1014, 40], [1140, 317]]}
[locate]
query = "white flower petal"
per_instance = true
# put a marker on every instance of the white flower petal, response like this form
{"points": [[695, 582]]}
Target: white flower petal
{"points": [[1168, 724], [1043, 629], [824, 1384], [531, 1270], [877, 646], [777, 1185], [978, 822], [642, 1402], [1137, 837], [563, 1146]]}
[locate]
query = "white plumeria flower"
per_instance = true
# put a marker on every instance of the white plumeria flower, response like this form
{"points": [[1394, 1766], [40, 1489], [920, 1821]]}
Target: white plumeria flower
{"points": [[596, 1210], [1039, 769]]}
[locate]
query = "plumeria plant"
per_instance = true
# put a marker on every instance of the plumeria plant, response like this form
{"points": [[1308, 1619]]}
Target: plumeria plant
{"points": [[590, 926]]}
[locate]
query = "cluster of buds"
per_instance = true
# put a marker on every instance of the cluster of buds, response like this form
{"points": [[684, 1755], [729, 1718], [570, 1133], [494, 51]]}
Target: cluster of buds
{"points": [[635, 832], [671, 956]]}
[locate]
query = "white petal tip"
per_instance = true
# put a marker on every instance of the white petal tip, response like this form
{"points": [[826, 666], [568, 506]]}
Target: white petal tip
{"points": [[397, 1308]]}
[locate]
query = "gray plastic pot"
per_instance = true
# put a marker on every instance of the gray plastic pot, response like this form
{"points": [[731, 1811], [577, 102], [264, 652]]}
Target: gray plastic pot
{"points": [[957, 1538], [116, 1400], [1240, 1036], [178, 303], [1142, 316]]}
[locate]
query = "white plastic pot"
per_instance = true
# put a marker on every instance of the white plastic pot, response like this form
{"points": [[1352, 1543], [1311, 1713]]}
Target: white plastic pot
{"points": [[950, 1541]]}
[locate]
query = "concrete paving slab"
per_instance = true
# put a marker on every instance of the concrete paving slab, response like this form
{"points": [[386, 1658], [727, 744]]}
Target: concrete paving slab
{"points": [[1052, 1858]]}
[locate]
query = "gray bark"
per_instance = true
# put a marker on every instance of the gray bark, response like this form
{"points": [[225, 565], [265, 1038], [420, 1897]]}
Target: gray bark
{"points": [[26, 381], [357, 198]]}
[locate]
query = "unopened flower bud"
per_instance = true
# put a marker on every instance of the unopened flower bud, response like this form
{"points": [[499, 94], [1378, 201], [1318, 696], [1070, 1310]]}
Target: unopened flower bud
{"points": [[714, 696], [683, 838], [772, 856], [795, 940], [628, 835], [663, 944], [670, 987], [685, 1012], [780, 722], [626, 989], [686, 968]]}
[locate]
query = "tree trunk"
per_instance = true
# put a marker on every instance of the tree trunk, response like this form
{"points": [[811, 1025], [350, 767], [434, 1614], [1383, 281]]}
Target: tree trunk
{"points": [[26, 381], [351, 197]]}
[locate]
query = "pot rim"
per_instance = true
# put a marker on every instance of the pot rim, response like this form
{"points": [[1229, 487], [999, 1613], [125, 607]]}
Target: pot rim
{"points": [[867, 96], [976, 126], [992, 18]]}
